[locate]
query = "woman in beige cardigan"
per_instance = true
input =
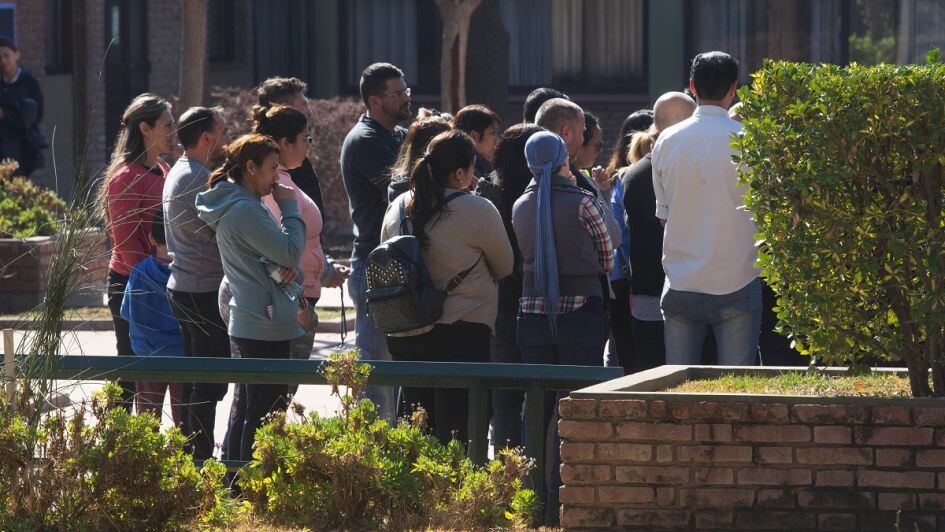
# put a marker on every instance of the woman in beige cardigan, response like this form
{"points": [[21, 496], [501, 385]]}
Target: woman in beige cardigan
{"points": [[457, 230]]}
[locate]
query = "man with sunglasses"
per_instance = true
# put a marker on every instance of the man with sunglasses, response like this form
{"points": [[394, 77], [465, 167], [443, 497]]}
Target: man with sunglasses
{"points": [[369, 150]]}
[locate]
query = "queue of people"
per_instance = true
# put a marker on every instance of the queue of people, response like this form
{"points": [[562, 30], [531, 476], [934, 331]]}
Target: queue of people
{"points": [[536, 254]]}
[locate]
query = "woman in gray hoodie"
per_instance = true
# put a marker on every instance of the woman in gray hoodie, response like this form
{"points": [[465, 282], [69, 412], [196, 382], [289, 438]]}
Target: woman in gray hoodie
{"points": [[263, 310]]}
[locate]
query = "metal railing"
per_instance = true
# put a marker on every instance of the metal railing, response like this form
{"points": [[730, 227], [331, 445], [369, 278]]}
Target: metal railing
{"points": [[478, 378]]}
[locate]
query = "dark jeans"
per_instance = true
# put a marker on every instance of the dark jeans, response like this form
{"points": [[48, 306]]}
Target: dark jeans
{"points": [[115, 288], [256, 401], [579, 341], [301, 349], [447, 408], [648, 346], [204, 335], [621, 333], [506, 404]]}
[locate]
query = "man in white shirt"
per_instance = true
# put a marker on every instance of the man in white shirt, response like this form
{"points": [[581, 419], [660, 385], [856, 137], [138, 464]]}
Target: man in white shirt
{"points": [[708, 243]]}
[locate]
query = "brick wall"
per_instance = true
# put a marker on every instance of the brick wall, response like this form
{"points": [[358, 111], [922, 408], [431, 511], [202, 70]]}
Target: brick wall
{"points": [[31, 34], [690, 465], [24, 266], [164, 47], [89, 133]]}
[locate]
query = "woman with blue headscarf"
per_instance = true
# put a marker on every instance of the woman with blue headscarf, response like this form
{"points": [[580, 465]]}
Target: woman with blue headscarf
{"points": [[566, 248]]}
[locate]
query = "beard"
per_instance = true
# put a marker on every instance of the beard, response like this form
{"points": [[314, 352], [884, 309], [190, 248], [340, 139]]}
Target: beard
{"points": [[401, 112], [216, 158]]}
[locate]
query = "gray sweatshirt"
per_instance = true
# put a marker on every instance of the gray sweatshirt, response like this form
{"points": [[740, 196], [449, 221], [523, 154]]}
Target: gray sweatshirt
{"points": [[195, 265], [247, 236]]}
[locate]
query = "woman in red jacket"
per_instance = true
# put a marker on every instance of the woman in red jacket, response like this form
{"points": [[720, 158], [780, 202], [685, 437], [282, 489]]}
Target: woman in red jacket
{"points": [[129, 197]]}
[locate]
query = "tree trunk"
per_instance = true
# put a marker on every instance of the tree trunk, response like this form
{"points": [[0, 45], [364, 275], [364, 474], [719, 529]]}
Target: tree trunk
{"points": [[487, 68], [918, 377], [193, 52], [456, 15]]}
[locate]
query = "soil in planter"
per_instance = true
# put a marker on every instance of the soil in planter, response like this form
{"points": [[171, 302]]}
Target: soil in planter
{"points": [[810, 384]]}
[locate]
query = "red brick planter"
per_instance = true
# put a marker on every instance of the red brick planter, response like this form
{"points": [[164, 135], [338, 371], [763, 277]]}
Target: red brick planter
{"points": [[637, 458], [24, 265]]}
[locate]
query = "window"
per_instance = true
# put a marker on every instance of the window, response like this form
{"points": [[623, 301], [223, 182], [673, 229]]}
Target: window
{"points": [[59, 36], [8, 20], [380, 31], [576, 42], [220, 31], [830, 31], [894, 31]]}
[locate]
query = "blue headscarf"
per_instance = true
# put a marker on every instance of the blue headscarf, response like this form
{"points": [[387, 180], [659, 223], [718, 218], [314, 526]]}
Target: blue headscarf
{"points": [[544, 152]]}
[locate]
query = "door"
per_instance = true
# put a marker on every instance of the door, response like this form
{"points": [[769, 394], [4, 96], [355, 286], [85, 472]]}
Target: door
{"points": [[126, 59]]}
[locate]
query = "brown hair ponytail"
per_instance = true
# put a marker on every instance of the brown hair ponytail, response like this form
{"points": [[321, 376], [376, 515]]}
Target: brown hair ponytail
{"points": [[447, 152], [278, 122], [247, 148]]}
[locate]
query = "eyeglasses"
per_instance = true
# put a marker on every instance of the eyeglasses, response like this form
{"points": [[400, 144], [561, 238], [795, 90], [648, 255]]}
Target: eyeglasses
{"points": [[399, 94]]}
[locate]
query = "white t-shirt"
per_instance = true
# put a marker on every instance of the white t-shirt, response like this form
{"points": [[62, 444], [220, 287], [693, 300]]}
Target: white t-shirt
{"points": [[709, 239]]}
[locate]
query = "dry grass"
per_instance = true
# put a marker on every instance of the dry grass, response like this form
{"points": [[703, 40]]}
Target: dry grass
{"points": [[804, 384]]}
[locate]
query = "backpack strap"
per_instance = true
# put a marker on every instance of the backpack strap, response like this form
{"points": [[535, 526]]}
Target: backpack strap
{"points": [[460, 277]]}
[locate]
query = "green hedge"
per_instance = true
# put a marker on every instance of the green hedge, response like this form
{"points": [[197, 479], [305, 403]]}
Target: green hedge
{"points": [[26, 209], [846, 168]]}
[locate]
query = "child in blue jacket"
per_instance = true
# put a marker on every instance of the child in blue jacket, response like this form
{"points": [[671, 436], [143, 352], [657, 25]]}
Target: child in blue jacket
{"points": [[153, 328]]}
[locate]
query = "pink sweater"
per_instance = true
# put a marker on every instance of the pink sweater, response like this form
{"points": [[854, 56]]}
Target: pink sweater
{"points": [[133, 197], [312, 262]]}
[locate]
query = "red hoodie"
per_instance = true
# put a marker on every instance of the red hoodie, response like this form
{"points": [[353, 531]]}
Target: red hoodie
{"points": [[133, 197]]}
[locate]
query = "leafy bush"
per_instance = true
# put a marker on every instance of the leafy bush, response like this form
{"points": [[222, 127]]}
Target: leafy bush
{"points": [[118, 471], [26, 209], [331, 120], [356, 471], [847, 182]]}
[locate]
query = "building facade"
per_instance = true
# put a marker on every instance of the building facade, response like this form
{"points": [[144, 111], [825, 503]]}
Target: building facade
{"points": [[611, 56]]}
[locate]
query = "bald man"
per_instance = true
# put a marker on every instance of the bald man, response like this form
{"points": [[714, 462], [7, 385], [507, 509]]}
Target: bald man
{"points": [[646, 239]]}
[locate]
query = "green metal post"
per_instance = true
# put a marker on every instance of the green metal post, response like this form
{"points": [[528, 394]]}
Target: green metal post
{"points": [[478, 423], [535, 435]]}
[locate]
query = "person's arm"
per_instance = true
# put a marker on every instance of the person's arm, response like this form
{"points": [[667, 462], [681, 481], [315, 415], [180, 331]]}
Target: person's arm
{"points": [[493, 240], [126, 300], [127, 208], [619, 213], [592, 218], [36, 93], [282, 245], [659, 190]]}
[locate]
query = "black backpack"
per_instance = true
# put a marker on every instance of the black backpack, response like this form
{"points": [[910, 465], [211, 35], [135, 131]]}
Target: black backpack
{"points": [[401, 297]]}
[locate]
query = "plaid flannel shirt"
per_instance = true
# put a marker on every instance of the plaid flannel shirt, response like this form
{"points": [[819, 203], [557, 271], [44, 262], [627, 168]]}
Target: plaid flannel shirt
{"points": [[591, 216]]}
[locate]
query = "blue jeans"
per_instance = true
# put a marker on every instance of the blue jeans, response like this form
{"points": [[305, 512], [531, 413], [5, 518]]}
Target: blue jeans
{"points": [[734, 318], [371, 343], [579, 341]]}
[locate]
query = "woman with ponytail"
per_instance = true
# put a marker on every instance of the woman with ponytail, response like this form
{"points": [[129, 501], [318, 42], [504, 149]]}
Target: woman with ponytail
{"points": [[254, 249], [458, 232], [566, 247], [129, 198]]}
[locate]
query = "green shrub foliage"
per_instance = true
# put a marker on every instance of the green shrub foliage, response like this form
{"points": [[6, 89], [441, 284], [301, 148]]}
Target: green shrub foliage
{"points": [[846, 168], [357, 472], [112, 471], [26, 209]]}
